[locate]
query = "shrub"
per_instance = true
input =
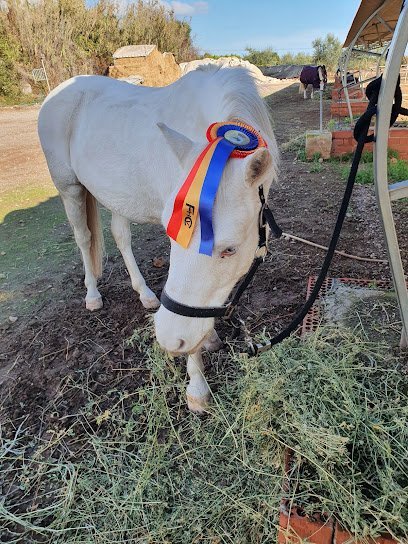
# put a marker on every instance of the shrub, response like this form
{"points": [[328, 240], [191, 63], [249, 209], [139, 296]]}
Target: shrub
{"points": [[9, 54], [397, 169], [266, 57], [76, 39]]}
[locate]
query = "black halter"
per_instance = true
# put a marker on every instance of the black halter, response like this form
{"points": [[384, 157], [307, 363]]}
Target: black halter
{"points": [[265, 217]]}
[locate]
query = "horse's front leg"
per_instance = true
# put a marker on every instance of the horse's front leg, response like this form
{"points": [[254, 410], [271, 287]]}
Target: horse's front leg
{"points": [[121, 232], [198, 392]]}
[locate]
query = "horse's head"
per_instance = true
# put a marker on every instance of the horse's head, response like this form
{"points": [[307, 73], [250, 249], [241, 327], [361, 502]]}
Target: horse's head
{"points": [[322, 76], [199, 280]]}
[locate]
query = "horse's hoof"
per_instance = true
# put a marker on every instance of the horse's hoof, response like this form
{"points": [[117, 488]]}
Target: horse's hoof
{"points": [[94, 303], [198, 405], [150, 302]]}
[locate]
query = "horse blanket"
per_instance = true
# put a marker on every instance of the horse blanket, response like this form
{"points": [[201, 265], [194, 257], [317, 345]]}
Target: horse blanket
{"points": [[310, 76]]}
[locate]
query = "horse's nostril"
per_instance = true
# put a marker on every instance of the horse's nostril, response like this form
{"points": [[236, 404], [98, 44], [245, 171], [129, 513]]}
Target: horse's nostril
{"points": [[181, 344]]}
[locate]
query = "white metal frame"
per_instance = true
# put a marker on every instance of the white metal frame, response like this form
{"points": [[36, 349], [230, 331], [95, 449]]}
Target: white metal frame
{"points": [[386, 193], [345, 58]]}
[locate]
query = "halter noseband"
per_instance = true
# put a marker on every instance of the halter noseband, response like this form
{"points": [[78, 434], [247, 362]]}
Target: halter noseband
{"points": [[226, 311]]}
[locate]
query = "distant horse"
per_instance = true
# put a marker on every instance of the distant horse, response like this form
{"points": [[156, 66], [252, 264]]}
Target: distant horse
{"points": [[316, 76], [131, 148], [351, 78]]}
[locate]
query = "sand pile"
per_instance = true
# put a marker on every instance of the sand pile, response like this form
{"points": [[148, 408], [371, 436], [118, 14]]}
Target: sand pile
{"points": [[226, 62]]}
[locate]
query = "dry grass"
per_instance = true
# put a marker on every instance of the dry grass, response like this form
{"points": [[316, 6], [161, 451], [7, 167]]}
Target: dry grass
{"points": [[79, 39], [135, 466]]}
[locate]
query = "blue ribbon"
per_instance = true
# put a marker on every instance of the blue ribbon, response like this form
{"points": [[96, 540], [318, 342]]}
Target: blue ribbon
{"points": [[208, 192]]}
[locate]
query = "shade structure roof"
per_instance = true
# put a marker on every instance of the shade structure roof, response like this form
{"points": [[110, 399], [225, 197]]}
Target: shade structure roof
{"points": [[379, 28]]}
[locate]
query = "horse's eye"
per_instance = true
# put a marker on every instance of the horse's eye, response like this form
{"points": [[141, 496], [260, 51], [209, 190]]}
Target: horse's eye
{"points": [[228, 251]]}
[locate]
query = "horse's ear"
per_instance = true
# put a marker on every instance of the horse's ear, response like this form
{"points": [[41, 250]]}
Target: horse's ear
{"points": [[258, 164], [180, 144]]}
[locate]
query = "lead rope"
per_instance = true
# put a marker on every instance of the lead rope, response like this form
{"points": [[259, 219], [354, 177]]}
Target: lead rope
{"points": [[361, 136]]}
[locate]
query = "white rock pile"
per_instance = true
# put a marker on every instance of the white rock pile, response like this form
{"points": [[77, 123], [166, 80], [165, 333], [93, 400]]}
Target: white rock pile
{"points": [[227, 62]]}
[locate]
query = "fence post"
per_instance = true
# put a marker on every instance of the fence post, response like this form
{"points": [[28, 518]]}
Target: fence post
{"points": [[45, 73]]}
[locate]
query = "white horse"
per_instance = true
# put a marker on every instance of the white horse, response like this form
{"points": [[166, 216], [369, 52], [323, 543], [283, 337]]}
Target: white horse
{"points": [[130, 148]]}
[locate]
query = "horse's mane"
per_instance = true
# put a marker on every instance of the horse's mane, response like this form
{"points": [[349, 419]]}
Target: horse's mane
{"points": [[239, 97], [228, 93], [241, 100]]}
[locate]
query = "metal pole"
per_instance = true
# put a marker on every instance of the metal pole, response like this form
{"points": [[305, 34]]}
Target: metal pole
{"points": [[321, 111], [385, 101], [45, 73], [349, 50]]}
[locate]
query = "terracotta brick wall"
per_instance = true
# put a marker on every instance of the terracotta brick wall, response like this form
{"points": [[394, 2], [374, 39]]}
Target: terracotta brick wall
{"points": [[340, 109], [343, 142], [355, 93]]}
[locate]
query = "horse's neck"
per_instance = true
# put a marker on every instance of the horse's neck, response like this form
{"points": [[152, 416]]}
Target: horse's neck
{"points": [[217, 101]]}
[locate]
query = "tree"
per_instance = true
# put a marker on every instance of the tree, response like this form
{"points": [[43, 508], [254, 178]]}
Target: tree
{"points": [[299, 58], [264, 57], [9, 53], [327, 51]]}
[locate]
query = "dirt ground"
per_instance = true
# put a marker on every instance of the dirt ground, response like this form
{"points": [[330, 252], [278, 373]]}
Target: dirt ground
{"points": [[20, 155], [55, 339]]}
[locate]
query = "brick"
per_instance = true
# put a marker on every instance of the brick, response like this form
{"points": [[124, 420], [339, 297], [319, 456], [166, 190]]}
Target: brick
{"points": [[296, 529], [400, 132], [339, 134], [318, 142], [342, 536], [343, 142], [344, 147], [358, 106]]}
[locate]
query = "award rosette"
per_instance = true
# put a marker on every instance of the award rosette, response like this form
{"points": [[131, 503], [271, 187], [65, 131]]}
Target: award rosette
{"points": [[197, 194]]}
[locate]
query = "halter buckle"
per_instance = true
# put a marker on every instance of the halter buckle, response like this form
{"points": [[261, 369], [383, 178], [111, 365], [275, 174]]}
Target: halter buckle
{"points": [[262, 218], [261, 252]]}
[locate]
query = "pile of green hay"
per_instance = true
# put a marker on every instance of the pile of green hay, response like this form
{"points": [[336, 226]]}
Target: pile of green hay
{"points": [[136, 466], [340, 404]]}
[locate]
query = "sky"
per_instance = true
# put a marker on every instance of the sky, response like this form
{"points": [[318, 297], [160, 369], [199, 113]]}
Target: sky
{"points": [[229, 26]]}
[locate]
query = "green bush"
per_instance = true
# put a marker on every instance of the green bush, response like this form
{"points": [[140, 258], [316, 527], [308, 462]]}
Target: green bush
{"points": [[397, 169], [327, 51], [266, 57], [9, 54], [81, 39]]}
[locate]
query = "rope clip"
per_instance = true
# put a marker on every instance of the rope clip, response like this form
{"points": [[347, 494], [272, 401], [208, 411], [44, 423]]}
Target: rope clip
{"points": [[261, 252]]}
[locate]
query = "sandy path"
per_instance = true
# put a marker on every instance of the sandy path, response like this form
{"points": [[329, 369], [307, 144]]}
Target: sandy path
{"points": [[21, 158]]}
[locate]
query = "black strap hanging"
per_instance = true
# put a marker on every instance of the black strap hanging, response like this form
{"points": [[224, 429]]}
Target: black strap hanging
{"points": [[361, 136]]}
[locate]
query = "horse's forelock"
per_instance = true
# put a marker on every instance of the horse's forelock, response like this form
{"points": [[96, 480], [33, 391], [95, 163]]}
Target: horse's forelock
{"points": [[240, 100]]}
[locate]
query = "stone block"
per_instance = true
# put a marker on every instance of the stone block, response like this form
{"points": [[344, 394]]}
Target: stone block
{"points": [[318, 142]]}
